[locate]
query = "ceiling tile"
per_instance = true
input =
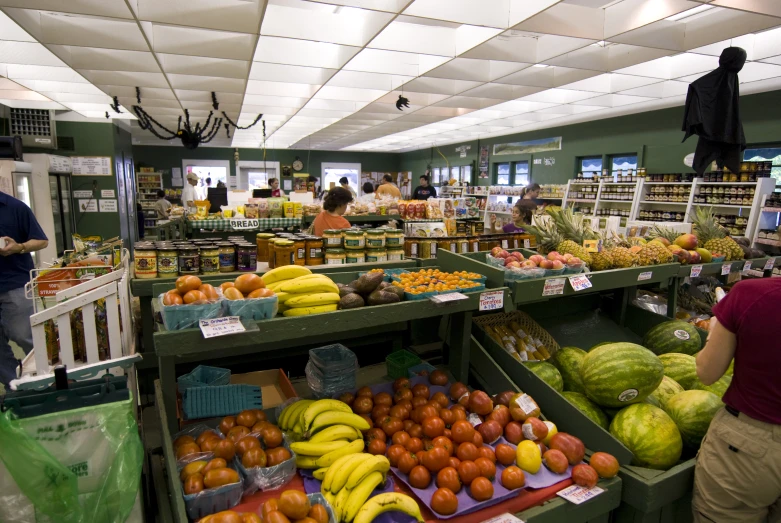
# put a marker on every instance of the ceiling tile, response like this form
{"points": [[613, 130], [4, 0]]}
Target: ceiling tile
{"points": [[613, 100], [385, 82], [660, 89], [501, 91], [106, 59], [475, 70], [290, 73], [110, 8], [281, 88], [27, 53], [438, 86], [84, 31], [203, 66], [227, 15], [125, 78], [567, 20], [206, 83], [392, 62], [302, 52], [202, 42]]}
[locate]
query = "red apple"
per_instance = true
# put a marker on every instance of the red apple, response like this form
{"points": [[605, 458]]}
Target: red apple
{"points": [[495, 252], [528, 264], [536, 258], [553, 255], [546, 264], [568, 257], [694, 257], [514, 264], [557, 264]]}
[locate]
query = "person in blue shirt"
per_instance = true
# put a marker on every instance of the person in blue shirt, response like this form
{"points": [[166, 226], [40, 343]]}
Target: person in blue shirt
{"points": [[20, 234], [424, 191]]}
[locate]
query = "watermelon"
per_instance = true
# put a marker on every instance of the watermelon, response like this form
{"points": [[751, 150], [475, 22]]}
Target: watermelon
{"points": [[618, 374], [666, 390], [718, 388], [547, 373], [568, 360], [650, 434], [600, 344], [651, 400], [680, 367], [673, 336], [587, 407], [692, 411]]}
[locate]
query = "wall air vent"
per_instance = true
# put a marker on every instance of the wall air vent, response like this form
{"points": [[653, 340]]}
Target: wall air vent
{"points": [[35, 126]]}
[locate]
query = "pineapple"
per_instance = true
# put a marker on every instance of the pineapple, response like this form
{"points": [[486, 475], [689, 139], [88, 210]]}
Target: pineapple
{"points": [[570, 247], [546, 234], [601, 261], [574, 230], [622, 257], [712, 236], [660, 231], [654, 253]]}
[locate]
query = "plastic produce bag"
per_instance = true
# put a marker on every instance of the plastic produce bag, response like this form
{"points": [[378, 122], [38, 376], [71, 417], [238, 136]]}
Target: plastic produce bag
{"points": [[268, 478], [330, 370], [77, 466]]}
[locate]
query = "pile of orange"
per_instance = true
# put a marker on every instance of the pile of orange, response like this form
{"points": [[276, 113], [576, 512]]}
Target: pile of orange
{"points": [[434, 280]]}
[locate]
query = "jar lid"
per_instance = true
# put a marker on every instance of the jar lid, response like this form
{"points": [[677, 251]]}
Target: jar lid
{"points": [[375, 250], [188, 248], [353, 232], [144, 246], [375, 232], [284, 243], [314, 238], [333, 231], [224, 244], [264, 235], [334, 251]]}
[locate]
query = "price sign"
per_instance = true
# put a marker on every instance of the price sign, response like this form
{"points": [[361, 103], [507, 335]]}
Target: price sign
{"points": [[725, 268], [554, 286], [770, 264], [747, 266], [577, 495], [504, 518], [221, 326], [491, 300], [696, 270], [238, 224], [645, 276], [450, 297], [527, 245], [579, 282]]}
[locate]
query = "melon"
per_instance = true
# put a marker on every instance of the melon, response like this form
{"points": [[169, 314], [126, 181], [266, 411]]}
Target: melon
{"points": [[666, 390], [600, 344], [692, 411], [718, 388], [651, 400], [650, 434], [547, 373], [588, 407], [568, 360], [618, 374], [680, 367], [673, 336]]}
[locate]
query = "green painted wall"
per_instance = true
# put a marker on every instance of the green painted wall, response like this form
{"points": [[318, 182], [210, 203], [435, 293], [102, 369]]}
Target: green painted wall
{"points": [[654, 136]]}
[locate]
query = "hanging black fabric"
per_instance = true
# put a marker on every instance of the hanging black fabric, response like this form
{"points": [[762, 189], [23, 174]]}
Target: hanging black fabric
{"points": [[713, 113]]}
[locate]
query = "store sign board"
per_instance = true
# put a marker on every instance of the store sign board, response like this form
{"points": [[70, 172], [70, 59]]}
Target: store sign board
{"points": [[91, 165], [238, 224], [579, 282], [554, 286], [88, 205], [747, 266], [221, 326], [491, 300], [81, 194], [577, 494], [504, 518]]}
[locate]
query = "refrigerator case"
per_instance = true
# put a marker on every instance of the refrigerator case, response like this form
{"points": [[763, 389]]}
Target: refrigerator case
{"points": [[60, 190]]}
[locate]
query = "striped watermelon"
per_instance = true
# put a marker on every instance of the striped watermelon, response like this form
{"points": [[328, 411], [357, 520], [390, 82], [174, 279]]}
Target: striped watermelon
{"points": [[600, 344], [666, 390], [568, 360], [650, 434], [547, 373], [692, 411], [718, 388], [618, 374], [680, 367], [652, 400], [588, 407], [673, 336]]}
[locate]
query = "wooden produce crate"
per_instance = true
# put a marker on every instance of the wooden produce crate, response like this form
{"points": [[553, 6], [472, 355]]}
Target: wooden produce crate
{"points": [[648, 495]]}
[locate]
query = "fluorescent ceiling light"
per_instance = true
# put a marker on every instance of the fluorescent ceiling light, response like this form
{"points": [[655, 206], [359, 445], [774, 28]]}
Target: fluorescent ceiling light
{"points": [[683, 15], [540, 65]]}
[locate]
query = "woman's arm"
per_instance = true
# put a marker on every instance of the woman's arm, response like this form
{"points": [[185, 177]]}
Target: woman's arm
{"points": [[713, 360]]}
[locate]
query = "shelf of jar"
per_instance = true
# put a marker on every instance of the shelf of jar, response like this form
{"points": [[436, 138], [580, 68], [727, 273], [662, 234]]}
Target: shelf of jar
{"points": [[605, 200], [579, 200], [683, 204], [764, 241], [771, 209], [668, 183], [551, 198], [727, 205], [726, 183]]}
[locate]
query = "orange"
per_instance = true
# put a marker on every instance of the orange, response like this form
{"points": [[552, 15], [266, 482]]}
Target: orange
{"points": [[232, 293], [195, 297], [226, 285], [172, 298], [187, 283], [209, 291], [261, 293], [246, 283]]}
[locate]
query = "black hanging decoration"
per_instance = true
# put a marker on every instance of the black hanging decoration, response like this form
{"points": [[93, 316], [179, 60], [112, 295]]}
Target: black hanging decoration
{"points": [[115, 105], [191, 136], [107, 115], [402, 102]]}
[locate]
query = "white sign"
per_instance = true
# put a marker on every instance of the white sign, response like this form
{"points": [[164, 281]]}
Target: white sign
{"points": [[82, 194], [527, 243], [88, 205], [554, 286], [747, 266], [60, 164], [448, 298], [504, 518], [91, 165], [579, 282], [696, 270], [462, 150], [770, 264], [108, 205], [176, 172], [177, 182], [725, 269], [577, 494], [221, 326], [244, 223], [107, 193], [645, 276], [491, 300]]}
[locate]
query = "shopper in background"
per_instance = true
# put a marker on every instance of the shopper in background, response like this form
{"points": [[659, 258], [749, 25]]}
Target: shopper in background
{"points": [[334, 206], [737, 478], [526, 203], [188, 192], [345, 183], [424, 191], [388, 188], [520, 217], [276, 192], [162, 206], [368, 193], [20, 234]]}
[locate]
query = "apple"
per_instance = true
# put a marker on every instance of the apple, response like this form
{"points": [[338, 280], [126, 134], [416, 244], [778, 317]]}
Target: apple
{"points": [[557, 264], [502, 254], [547, 264], [528, 264], [536, 258], [568, 257], [574, 261], [686, 241], [514, 264], [664, 241], [562, 259], [683, 257], [674, 249], [553, 255], [694, 257], [495, 251], [509, 260], [517, 255]]}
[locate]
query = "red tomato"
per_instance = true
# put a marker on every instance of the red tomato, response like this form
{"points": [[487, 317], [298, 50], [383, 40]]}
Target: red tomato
{"points": [[377, 447], [440, 398], [415, 431], [421, 390], [488, 453], [414, 445], [402, 394], [468, 471], [448, 416], [435, 459], [420, 477], [448, 478], [487, 468], [391, 425], [408, 424], [383, 398], [399, 411], [513, 478], [401, 383], [477, 439], [462, 431], [481, 489], [407, 462], [467, 451], [376, 433], [433, 426], [400, 438], [505, 454], [453, 461], [444, 502], [445, 443], [394, 453]]}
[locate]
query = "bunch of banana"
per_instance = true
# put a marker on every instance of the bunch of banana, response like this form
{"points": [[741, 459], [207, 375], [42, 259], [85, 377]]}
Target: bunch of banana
{"points": [[349, 481], [291, 418], [387, 502], [300, 294]]}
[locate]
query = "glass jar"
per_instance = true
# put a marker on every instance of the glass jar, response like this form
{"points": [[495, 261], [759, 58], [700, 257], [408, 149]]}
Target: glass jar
{"points": [[332, 239], [167, 261], [189, 260], [210, 259], [284, 253], [300, 245], [227, 256], [354, 239], [335, 257], [355, 257], [394, 238], [375, 239], [262, 239], [314, 250], [462, 246], [271, 261], [145, 256], [425, 249], [411, 247], [247, 257], [376, 255], [395, 253]]}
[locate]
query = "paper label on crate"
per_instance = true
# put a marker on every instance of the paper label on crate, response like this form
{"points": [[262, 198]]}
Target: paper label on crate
{"points": [[504, 518], [491, 300], [448, 298], [696, 270], [238, 224], [577, 494], [645, 276], [554, 286], [747, 266], [526, 403], [725, 269], [770, 264], [474, 419], [221, 326], [579, 282]]}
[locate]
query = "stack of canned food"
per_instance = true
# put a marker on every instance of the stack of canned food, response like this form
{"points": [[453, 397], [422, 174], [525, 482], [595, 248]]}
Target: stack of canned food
{"points": [[363, 245]]}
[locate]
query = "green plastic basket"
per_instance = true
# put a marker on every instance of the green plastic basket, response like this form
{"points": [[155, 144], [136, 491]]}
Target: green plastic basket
{"points": [[399, 362]]}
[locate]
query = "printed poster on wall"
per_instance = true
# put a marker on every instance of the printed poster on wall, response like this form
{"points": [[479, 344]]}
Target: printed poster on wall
{"points": [[92, 165], [483, 162], [528, 146]]}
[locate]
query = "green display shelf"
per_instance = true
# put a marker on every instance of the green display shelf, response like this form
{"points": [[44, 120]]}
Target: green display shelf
{"points": [[716, 269]]}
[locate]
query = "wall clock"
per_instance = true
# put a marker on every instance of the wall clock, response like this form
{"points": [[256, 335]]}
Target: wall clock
{"points": [[298, 165]]}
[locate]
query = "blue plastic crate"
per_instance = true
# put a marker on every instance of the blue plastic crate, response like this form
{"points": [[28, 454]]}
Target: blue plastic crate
{"points": [[213, 500], [224, 400], [204, 376], [178, 317], [470, 289], [252, 309], [413, 372], [422, 296]]}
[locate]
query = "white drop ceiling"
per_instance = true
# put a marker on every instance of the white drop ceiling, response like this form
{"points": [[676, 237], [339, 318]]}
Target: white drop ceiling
{"points": [[326, 74]]}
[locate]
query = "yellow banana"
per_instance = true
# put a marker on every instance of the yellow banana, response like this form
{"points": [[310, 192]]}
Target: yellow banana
{"points": [[341, 499], [336, 432], [310, 285], [288, 417], [360, 494], [320, 473], [305, 448], [312, 300], [276, 285], [387, 502], [330, 498], [342, 468], [288, 272], [282, 297], [326, 460], [312, 276], [305, 311], [306, 462], [320, 406], [332, 417], [376, 464]]}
